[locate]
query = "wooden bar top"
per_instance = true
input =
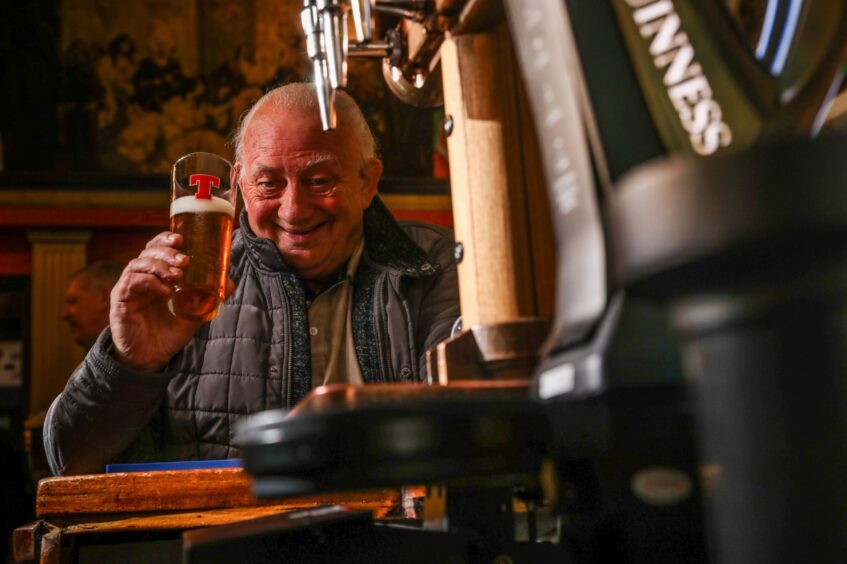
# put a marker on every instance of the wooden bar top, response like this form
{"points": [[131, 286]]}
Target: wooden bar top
{"points": [[170, 502], [184, 490]]}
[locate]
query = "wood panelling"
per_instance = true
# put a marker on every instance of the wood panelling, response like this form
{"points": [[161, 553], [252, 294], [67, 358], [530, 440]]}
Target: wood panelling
{"points": [[497, 185], [56, 255]]}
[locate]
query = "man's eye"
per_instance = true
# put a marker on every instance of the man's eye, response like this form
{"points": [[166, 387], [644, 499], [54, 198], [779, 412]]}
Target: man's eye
{"points": [[320, 183], [265, 188]]}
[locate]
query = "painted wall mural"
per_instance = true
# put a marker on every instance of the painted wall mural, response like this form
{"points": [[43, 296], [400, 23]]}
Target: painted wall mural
{"points": [[140, 83]]}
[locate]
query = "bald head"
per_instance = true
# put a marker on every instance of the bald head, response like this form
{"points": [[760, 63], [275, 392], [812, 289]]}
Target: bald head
{"points": [[300, 97]]}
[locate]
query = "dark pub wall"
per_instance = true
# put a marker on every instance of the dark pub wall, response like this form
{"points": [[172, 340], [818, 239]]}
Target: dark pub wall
{"points": [[103, 95], [128, 86]]}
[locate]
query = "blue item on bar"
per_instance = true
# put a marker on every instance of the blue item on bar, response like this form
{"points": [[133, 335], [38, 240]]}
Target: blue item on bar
{"points": [[180, 465]]}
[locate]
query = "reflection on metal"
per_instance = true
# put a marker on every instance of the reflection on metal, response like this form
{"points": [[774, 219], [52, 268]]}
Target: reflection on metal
{"points": [[424, 92], [311, 18], [343, 397], [410, 51]]}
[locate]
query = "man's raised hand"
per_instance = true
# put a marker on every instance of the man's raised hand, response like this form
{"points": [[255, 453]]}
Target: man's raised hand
{"points": [[145, 333]]}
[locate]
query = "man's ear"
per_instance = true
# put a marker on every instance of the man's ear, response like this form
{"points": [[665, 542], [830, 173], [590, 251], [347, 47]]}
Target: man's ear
{"points": [[371, 173], [235, 176]]}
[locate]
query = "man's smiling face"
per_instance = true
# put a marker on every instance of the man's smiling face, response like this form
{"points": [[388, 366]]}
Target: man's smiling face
{"points": [[305, 189]]}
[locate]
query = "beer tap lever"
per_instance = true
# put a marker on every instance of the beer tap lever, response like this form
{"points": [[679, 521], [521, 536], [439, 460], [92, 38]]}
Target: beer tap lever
{"points": [[372, 49], [333, 29], [363, 20], [325, 27], [312, 20]]}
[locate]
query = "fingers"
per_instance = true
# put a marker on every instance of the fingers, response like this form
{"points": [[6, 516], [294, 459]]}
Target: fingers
{"points": [[153, 273], [161, 257], [166, 267], [134, 285], [168, 255], [165, 239]]}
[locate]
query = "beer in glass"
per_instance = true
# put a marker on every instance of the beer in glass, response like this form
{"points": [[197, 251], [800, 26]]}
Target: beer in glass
{"points": [[202, 211]]}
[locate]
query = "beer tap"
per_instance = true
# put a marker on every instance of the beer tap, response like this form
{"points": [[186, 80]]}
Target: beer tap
{"points": [[363, 19], [312, 20], [334, 23], [411, 71]]}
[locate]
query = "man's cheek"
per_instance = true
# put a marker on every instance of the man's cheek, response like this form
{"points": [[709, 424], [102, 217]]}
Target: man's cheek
{"points": [[333, 206], [264, 211]]}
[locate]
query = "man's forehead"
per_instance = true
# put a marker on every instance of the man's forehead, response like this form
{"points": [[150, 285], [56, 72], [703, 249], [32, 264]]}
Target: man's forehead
{"points": [[281, 128], [305, 160]]}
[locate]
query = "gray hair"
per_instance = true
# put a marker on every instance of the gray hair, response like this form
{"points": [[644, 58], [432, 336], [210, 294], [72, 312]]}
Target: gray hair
{"points": [[301, 96]]}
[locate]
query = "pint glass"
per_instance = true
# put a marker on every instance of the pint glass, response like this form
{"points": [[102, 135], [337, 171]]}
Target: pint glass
{"points": [[202, 211]]}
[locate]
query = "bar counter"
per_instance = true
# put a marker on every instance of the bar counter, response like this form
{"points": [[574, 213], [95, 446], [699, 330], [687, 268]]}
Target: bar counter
{"points": [[133, 517]]}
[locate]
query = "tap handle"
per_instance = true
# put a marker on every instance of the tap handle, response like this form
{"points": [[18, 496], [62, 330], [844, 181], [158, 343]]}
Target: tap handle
{"points": [[326, 96], [316, 47], [363, 19], [333, 24]]}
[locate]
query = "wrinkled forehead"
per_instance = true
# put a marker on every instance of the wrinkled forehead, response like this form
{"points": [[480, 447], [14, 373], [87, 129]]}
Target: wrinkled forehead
{"points": [[288, 132]]}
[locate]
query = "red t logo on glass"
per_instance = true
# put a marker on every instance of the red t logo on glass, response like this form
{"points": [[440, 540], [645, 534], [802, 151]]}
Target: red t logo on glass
{"points": [[204, 183]]}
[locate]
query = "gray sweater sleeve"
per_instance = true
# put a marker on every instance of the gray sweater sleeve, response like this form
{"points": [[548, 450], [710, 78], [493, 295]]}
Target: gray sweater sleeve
{"points": [[101, 411]]}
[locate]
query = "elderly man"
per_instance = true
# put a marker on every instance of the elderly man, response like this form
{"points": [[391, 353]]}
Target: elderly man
{"points": [[328, 287]]}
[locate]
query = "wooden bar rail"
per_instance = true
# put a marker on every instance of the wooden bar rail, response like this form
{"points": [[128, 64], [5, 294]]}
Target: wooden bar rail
{"points": [[71, 507]]}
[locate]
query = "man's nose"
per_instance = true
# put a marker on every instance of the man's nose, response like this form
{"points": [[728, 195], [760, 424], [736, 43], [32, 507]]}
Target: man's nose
{"points": [[295, 207], [66, 313]]}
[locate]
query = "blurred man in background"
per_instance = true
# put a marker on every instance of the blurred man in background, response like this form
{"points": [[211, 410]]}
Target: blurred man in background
{"points": [[87, 301], [86, 312]]}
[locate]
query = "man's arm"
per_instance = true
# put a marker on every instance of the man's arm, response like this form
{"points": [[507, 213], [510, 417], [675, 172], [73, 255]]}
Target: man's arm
{"points": [[115, 391], [440, 301], [100, 413]]}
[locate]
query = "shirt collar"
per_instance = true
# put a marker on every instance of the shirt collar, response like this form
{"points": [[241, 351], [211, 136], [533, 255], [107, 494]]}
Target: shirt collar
{"points": [[344, 274]]}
